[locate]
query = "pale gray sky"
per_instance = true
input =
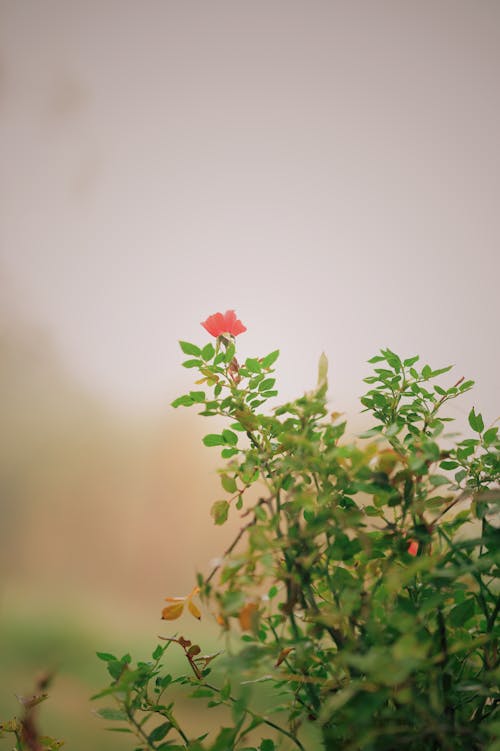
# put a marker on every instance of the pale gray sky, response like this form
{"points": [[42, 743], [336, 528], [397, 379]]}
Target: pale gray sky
{"points": [[329, 169]]}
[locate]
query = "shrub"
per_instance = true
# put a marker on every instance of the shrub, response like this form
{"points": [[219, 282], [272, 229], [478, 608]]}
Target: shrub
{"points": [[364, 576]]}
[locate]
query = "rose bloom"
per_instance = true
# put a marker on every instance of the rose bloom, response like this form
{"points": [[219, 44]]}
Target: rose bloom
{"points": [[413, 547], [224, 323]]}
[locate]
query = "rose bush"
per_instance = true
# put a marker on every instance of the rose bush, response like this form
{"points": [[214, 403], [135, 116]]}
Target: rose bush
{"points": [[360, 596]]}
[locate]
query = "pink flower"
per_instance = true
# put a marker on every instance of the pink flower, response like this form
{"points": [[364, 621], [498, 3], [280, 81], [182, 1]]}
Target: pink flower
{"points": [[413, 547], [224, 323]]}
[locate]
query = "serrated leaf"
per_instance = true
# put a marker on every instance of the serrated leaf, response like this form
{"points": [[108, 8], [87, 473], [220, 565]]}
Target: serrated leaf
{"points": [[192, 363], [190, 349], [252, 364], [267, 384], [270, 359], [208, 352], [106, 656]]}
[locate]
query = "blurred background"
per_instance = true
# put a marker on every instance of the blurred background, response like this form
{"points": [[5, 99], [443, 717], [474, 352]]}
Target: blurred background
{"points": [[328, 169]]}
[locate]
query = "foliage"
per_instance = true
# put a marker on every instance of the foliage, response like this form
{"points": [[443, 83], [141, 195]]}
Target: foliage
{"points": [[364, 577]]}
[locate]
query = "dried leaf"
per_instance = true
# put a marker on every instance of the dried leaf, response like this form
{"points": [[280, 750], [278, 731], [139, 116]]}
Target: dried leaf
{"points": [[248, 616], [283, 655], [171, 612], [193, 609]]}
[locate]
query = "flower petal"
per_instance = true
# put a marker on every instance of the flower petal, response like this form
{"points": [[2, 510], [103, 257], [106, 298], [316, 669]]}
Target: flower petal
{"points": [[214, 324], [413, 547], [226, 323]]}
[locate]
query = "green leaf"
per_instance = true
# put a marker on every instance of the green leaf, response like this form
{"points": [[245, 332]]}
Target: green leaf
{"points": [[183, 401], [158, 651], [192, 363], [253, 365], [476, 421], [228, 483], [462, 612], [219, 511], [229, 437], [190, 349], [448, 464], [267, 384], [115, 668], [437, 480], [208, 352], [197, 396], [228, 453], [410, 361], [440, 371], [270, 359], [160, 732], [111, 713], [466, 385], [212, 439], [230, 352], [106, 656], [267, 745], [490, 436]]}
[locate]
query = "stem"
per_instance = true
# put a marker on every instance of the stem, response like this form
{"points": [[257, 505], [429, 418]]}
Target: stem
{"points": [[270, 723], [138, 730], [230, 549]]}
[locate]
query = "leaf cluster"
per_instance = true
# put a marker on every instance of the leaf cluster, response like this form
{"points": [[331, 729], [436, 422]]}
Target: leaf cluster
{"points": [[364, 577]]}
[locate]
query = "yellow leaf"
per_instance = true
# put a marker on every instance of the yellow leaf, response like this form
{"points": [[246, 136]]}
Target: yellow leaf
{"points": [[248, 616], [171, 612], [193, 609]]}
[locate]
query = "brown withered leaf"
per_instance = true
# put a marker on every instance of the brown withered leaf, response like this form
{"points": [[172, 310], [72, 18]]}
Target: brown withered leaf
{"points": [[248, 616], [171, 612], [283, 655]]}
